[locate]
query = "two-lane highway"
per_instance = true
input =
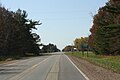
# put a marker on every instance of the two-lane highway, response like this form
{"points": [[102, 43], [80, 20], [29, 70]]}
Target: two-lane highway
{"points": [[54, 67]]}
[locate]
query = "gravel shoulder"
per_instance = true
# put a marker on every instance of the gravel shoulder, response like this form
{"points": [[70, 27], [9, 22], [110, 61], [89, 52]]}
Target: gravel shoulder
{"points": [[94, 72]]}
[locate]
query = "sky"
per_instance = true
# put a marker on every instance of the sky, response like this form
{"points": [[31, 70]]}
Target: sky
{"points": [[62, 20]]}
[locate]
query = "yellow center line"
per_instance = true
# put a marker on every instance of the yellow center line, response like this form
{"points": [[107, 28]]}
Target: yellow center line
{"points": [[34, 66], [28, 71]]}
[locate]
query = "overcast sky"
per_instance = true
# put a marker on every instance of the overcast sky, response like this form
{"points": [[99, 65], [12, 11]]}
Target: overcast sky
{"points": [[63, 20]]}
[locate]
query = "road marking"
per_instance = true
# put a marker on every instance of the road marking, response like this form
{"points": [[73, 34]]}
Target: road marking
{"points": [[34, 66], [77, 68], [27, 72]]}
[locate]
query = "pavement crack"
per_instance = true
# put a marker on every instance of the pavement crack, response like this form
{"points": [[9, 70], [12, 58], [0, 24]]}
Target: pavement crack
{"points": [[53, 73]]}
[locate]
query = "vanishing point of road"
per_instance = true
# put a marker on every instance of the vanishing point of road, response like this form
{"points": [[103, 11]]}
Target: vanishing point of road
{"points": [[56, 66]]}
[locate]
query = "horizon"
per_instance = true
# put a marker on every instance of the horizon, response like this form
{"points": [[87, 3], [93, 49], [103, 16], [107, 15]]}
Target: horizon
{"points": [[62, 21]]}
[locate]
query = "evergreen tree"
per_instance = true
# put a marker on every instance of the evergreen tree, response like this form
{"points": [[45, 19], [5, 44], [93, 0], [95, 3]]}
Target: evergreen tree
{"points": [[16, 36], [104, 38]]}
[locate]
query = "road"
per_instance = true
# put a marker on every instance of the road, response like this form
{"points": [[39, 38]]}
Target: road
{"points": [[52, 67]]}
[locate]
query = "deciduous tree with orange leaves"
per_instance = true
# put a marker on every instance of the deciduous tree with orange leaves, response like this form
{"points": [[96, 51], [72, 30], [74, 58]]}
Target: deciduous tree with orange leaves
{"points": [[105, 32]]}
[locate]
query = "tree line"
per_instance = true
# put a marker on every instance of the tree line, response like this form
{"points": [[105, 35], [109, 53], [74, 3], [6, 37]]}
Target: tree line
{"points": [[49, 48], [80, 44], [16, 36], [105, 32]]}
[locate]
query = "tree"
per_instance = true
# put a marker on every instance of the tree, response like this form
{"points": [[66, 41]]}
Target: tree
{"points": [[16, 37], [104, 38], [50, 48], [81, 43], [6, 30], [68, 48]]}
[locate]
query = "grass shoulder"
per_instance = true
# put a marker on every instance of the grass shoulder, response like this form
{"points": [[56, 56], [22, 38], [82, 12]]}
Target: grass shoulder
{"points": [[108, 62]]}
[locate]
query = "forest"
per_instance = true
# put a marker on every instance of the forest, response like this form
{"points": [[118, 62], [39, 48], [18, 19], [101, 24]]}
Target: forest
{"points": [[105, 32], [16, 36]]}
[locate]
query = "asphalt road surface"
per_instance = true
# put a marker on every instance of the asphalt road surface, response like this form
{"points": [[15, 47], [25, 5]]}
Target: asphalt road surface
{"points": [[53, 67]]}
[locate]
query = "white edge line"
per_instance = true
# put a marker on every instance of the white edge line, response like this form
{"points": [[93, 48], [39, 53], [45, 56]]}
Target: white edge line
{"points": [[78, 69]]}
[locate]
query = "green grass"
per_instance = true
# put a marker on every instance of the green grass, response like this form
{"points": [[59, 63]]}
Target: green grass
{"points": [[109, 62]]}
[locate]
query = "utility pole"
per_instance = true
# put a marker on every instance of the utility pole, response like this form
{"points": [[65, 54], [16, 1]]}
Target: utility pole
{"points": [[72, 48]]}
